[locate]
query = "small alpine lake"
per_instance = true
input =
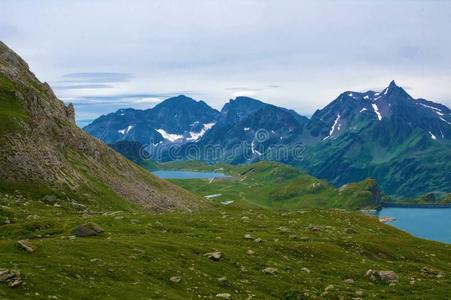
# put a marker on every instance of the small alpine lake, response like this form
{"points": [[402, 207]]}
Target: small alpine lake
{"points": [[172, 174], [428, 223]]}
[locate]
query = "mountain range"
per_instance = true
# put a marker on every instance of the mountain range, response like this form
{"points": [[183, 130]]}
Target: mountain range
{"points": [[402, 142]]}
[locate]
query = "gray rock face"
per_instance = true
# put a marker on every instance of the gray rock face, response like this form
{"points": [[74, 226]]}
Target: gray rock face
{"points": [[26, 245], [384, 276], [45, 147], [215, 255], [10, 277], [89, 229]]}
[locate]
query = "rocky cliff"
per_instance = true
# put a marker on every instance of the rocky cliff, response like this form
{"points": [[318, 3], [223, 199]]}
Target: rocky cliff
{"points": [[41, 146]]}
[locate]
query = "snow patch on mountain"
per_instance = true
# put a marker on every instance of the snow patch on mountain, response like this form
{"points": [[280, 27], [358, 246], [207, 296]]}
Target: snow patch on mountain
{"points": [[431, 107], [172, 137], [125, 130], [333, 127], [432, 136], [194, 136], [444, 120], [376, 110]]}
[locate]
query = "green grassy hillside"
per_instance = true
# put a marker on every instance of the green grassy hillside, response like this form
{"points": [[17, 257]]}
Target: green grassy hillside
{"points": [[275, 185], [302, 254]]}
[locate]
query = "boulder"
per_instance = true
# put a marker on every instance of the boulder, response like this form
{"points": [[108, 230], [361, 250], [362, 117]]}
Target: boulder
{"points": [[271, 271], [26, 245], [88, 229], [215, 255], [175, 279], [11, 277], [384, 276], [49, 199]]}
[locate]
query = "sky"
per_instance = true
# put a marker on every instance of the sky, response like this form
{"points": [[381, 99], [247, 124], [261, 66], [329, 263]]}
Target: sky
{"points": [[107, 55]]}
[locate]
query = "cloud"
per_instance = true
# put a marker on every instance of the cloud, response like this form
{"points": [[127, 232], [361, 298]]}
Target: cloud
{"points": [[126, 99], [243, 89], [243, 93], [97, 77], [82, 86]]}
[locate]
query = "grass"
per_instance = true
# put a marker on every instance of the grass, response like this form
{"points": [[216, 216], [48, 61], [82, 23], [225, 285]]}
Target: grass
{"points": [[274, 185], [11, 111], [139, 252]]}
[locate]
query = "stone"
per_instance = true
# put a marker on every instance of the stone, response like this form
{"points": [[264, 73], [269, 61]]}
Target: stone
{"points": [[271, 271], [429, 272], [258, 240], [215, 255], [79, 206], [88, 229], [359, 293], [175, 279], [384, 276], [329, 287], [223, 296], [247, 236], [26, 245], [250, 252], [388, 276], [222, 279], [49, 199], [306, 270], [350, 231], [11, 277], [349, 281], [313, 228]]}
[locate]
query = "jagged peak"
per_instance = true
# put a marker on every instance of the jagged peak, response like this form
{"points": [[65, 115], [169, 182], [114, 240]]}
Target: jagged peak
{"points": [[392, 84]]}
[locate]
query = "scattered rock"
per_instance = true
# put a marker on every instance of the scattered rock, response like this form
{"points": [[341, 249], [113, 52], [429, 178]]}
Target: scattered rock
{"points": [[306, 270], [329, 287], [250, 252], [313, 228], [11, 277], [429, 272], [385, 276], [388, 276], [258, 240], [247, 236], [26, 245], [359, 293], [175, 279], [88, 229], [222, 279], [79, 206], [223, 296], [271, 271], [49, 199], [350, 231], [349, 281], [215, 255], [283, 229]]}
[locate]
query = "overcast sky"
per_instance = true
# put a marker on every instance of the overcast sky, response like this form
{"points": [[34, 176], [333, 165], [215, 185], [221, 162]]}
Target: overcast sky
{"points": [[106, 55]]}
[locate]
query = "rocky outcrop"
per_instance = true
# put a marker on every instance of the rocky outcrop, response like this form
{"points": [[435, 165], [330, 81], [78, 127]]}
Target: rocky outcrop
{"points": [[47, 148]]}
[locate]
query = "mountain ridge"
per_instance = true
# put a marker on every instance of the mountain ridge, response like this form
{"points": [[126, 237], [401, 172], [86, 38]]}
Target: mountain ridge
{"points": [[43, 150]]}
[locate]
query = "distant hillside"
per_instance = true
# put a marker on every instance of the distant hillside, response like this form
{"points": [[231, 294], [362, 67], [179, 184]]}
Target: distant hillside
{"points": [[275, 185]]}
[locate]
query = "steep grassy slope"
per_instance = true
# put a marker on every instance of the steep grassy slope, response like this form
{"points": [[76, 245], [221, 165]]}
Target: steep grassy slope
{"points": [[275, 185], [43, 149], [139, 253]]}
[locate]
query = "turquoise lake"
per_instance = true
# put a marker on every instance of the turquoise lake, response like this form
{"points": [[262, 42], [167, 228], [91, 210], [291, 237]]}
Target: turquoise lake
{"points": [[428, 223], [168, 174]]}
